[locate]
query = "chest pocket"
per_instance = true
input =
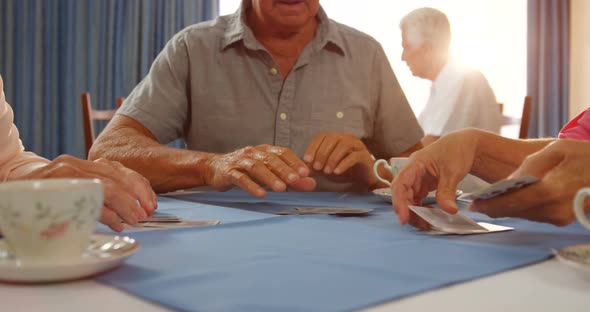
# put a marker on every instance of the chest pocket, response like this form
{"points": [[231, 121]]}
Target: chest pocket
{"points": [[341, 115]]}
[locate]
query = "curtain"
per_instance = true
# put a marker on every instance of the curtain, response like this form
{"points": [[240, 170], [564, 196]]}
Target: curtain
{"points": [[53, 50], [548, 65]]}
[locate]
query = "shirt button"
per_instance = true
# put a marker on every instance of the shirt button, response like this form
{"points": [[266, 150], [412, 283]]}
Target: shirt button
{"points": [[339, 115], [274, 71], [283, 116]]}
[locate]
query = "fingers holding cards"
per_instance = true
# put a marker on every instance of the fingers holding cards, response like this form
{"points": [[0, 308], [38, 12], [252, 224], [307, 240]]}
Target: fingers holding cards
{"points": [[501, 187], [540, 202], [506, 198]]}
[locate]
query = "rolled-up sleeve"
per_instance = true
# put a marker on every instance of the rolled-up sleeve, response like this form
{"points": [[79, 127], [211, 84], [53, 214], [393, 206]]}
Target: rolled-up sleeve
{"points": [[160, 101]]}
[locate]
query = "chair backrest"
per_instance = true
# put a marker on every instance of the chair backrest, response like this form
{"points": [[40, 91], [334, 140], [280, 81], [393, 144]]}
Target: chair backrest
{"points": [[525, 119], [522, 122], [89, 115]]}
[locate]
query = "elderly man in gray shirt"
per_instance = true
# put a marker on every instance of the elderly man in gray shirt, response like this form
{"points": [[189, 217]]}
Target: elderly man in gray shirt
{"points": [[274, 96]]}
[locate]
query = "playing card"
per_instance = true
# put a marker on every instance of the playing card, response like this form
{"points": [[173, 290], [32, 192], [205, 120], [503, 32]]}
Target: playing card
{"points": [[171, 219], [500, 187], [167, 225], [443, 222], [175, 225], [326, 210], [161, 218]]}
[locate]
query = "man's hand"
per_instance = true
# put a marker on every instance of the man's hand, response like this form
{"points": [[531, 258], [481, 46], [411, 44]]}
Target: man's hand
{"points": [[251, 168], [563, 167], [340, 156], [128, 196]]}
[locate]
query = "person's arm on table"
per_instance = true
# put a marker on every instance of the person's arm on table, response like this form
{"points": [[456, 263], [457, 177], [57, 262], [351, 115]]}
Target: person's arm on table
{"points": [[443, 164], [129, 142], [563, 169]]}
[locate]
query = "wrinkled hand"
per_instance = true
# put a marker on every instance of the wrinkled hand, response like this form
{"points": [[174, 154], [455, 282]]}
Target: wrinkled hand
{"points": [[251, 168], [340, 156], [128, 196], [441, 166], [563, 167]]}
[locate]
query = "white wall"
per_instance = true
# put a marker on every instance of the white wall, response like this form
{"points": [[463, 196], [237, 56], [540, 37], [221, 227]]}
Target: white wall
{"points": [[579, 61]]}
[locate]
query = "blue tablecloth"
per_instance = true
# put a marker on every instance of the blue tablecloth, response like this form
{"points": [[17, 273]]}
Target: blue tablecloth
{"points": [[256, 261]]}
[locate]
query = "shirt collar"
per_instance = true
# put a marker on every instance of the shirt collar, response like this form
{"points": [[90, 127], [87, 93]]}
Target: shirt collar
{"points": [[238, 30]]}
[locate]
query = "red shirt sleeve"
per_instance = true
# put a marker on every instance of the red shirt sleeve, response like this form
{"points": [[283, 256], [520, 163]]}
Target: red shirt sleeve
{"points": [[578, 128]]}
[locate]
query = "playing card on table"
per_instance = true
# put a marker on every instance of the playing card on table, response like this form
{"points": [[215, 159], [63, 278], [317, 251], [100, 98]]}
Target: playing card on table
{"points": [[500, 187], [446, 223], [326, 210], [161, 218], [166, 221], [175, 225]]}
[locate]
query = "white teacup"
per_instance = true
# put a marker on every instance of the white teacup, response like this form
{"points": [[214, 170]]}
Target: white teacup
{"points": [[395, 165], [49, 221], [579, 206]]}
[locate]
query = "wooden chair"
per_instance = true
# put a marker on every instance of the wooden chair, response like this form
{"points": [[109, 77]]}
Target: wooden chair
{"points": [[523, 121], [89, 115]]}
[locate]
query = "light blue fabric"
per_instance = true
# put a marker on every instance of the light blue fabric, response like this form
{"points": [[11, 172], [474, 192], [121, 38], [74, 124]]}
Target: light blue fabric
{"points": [[53, 50], [548, 66], [317, 263]]}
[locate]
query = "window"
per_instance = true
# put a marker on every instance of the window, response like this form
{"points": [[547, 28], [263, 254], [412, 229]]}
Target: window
{"points": [[489, 35]]}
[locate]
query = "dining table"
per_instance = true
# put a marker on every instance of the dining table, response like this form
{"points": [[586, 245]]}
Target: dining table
{"points": [[257, 259]]}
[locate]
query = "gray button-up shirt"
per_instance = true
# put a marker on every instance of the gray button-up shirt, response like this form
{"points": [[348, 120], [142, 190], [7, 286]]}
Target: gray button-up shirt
{"points": [[217, 87]]}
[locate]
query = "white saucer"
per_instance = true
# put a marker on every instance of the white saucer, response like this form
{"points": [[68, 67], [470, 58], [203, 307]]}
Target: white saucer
{"points": [[385, 194], [105, 252], [576, 256]]}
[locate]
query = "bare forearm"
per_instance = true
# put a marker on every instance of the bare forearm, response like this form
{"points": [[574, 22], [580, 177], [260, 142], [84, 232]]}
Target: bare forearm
{"points": [[497, 157], [166, 168]]}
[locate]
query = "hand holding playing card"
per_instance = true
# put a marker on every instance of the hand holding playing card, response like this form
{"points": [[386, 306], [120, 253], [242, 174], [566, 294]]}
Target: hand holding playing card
{"points": [[563, 168], [441, 166], [500, 188]]}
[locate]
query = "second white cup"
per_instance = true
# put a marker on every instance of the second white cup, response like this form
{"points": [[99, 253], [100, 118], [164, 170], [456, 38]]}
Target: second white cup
{"points": [[579, 206], [395, 165]]}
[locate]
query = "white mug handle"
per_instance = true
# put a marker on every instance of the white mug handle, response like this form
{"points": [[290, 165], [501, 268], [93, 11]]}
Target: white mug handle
{"points": [[579, 206], [376, 170]]}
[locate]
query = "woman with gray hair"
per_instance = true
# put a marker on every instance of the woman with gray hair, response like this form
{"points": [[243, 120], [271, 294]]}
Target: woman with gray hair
{"points": [[460, 97]]}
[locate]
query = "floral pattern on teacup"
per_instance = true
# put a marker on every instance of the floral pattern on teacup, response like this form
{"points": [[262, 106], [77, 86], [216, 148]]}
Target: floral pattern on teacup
{"points": [[53, 224], [55, 230]]}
